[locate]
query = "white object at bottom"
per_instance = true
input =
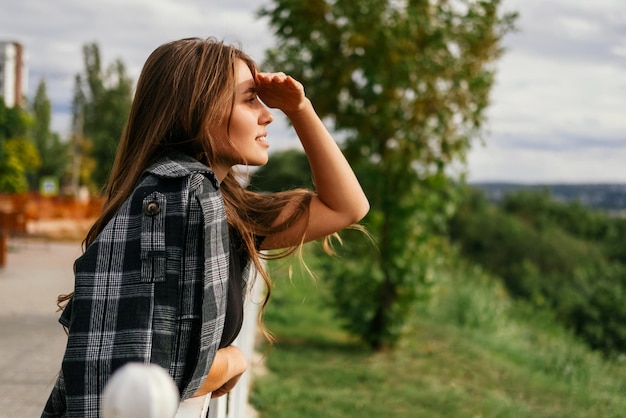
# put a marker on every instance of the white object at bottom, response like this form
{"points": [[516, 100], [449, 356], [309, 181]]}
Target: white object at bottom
{"points": [[197, 407]]}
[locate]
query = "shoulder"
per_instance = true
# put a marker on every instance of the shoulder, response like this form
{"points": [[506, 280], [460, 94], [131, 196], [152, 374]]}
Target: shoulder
{"points": [[178, 165], [180, 180], [191, 182]]}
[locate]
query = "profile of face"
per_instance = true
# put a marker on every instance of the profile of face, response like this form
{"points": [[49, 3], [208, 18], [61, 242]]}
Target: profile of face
{"points": [[248, 122]]}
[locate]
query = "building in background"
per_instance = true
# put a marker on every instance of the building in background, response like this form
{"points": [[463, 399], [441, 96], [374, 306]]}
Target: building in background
{"points": [[13, 74]]}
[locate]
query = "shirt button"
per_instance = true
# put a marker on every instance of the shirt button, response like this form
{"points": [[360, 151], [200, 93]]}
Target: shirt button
{"points": [[152, 209]]}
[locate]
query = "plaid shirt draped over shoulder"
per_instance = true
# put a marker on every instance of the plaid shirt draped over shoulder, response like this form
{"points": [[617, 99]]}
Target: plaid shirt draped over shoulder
{"points": [[151, 288]]}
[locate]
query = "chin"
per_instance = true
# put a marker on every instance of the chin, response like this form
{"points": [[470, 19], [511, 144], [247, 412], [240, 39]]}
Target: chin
{"points": [[257, 162], [260, 163], [262, 159]]}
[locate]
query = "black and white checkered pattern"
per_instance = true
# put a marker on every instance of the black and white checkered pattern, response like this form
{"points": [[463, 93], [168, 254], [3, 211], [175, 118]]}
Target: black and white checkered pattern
{"points": [[151, 288]]}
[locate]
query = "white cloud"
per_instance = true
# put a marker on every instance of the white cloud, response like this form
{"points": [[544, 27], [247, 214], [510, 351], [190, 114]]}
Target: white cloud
{"points": [[536, 97], [557, 108], [619, 49], [594, 165]]}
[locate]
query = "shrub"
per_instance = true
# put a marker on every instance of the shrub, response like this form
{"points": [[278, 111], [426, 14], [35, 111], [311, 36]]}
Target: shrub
{"points": [[545, 259]]}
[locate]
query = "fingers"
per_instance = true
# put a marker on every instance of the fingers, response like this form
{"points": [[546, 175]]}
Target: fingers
{"points": [[264, 79], [226, 387], [280, 91], [272, 77]]}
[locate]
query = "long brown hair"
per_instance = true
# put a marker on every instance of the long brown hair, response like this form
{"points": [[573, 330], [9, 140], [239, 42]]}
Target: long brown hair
{"points": [[185, 90]]}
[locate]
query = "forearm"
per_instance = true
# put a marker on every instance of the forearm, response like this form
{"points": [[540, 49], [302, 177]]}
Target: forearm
{"points": [[228, 363], [340, 201], [336, 184]]}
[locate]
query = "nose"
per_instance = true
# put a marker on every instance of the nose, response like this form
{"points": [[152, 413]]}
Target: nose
{"points": [[266, 116]]}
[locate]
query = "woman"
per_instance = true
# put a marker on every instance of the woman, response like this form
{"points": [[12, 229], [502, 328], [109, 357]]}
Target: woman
{"points": [[162, 276]]}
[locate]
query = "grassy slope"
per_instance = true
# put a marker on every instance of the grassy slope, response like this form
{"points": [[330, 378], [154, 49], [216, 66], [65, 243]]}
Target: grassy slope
{"points": [[471, 353]]}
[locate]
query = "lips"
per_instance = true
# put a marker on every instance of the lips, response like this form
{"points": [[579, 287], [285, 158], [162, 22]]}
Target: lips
{"points": [[262, 140]]}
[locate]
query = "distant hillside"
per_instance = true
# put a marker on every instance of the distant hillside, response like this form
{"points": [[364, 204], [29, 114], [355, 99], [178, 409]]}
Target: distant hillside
{"points": [[607, 197]]}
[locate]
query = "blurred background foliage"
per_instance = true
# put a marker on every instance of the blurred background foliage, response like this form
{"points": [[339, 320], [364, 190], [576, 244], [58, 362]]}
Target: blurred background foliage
{"points": [[555, 255], [408, 99], [29, 151]]}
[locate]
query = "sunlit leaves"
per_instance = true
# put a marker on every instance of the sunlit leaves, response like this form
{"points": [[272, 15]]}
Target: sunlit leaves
{"points": [[18, 155]]}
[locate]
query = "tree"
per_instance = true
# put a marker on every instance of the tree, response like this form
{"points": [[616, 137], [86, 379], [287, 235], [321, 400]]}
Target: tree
{"points": [[14, 121], [408, 83], [101, 104], [20, 158], [18, 155], [53, 152]]}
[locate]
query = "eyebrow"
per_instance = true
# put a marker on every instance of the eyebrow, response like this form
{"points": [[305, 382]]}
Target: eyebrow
{"points": [[249, 90]]}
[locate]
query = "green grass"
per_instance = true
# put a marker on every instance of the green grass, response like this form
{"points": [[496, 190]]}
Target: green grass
{"points": [[470, 352]]}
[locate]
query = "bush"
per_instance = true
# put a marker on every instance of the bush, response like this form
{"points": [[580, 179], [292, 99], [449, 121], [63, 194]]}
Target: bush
{"points": [[574, 218], [543, 257]]}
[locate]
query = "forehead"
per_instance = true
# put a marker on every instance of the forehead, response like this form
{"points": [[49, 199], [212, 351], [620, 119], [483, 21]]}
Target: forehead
{"points": [[243, 77]]}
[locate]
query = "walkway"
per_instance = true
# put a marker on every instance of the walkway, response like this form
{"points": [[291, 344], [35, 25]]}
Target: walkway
{"points": [[31, 340]]}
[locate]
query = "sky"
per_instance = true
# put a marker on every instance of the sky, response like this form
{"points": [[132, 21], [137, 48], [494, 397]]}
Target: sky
{"points": [[558, 110]]}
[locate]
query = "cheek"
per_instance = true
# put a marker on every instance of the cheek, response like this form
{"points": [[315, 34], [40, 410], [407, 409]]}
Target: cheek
{"points": [[242, 122]]}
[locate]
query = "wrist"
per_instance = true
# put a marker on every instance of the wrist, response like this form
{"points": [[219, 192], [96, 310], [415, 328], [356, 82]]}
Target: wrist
{"points": [[302, 109]]}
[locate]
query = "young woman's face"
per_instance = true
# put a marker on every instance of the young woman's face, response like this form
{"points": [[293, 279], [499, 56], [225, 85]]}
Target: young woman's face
{"points": [[248, 122]]}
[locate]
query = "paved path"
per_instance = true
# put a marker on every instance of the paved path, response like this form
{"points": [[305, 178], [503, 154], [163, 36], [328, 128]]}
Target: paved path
{"points": [[31, 340]]}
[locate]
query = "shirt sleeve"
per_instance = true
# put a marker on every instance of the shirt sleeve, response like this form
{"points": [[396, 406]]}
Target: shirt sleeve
{"points": [[215, 260]]}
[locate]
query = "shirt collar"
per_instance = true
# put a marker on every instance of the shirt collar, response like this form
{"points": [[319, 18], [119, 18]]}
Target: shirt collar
{"points": [[178, 164]]}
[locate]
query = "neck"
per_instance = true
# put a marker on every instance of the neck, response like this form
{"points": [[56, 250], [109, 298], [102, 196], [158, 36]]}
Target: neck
{"points": [[220, 171]]}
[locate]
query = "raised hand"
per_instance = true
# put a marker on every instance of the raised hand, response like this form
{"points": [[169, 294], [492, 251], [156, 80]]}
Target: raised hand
{"points": [[280, 91]]}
